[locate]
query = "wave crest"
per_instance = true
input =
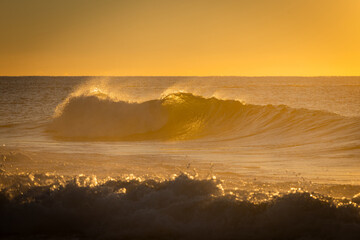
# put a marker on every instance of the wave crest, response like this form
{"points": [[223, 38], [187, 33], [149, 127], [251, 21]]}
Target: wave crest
{"points": [[183, 116]]}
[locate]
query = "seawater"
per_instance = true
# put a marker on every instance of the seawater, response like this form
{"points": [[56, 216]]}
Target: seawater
{"points": [[172, 157]]}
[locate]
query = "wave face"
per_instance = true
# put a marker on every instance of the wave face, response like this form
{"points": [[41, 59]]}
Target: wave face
{"points": [[93, 118], [184, 116], [43, 206]]}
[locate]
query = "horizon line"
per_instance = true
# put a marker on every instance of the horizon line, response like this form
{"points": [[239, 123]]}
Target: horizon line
{"points": [[180, 76]]}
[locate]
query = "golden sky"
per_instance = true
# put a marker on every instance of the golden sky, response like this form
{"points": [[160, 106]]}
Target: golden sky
{"points": [[180, 37]]}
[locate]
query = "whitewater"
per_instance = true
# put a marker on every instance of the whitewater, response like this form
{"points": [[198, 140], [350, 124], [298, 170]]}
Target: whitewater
{"points": [[180, 157]]}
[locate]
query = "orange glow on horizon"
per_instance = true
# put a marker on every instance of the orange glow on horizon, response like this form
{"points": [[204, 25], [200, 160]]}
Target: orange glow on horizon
{"points": [[164, 38]]}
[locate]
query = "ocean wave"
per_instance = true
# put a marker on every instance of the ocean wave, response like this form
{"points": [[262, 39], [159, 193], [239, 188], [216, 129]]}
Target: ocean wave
{"points": [[184, 116], [46, 206]]}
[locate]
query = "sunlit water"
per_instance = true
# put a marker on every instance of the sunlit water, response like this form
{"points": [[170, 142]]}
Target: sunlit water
{"points": [[237, 148]]}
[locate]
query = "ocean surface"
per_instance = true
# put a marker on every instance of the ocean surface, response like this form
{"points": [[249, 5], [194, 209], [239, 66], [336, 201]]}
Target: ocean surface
{"points": [[180, 157]]}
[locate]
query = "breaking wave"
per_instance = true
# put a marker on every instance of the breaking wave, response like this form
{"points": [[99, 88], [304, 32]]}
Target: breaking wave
{"points": [[184, 116], [46, 206]]}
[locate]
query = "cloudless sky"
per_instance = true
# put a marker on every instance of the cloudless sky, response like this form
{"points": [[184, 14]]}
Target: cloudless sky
{"points": [[180, 37]]}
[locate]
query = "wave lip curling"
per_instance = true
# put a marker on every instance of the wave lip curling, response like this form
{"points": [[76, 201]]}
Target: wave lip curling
{"points": [[184, 116]]}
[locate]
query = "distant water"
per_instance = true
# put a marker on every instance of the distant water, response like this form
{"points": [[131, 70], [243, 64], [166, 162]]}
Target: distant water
{"points": [[168, 157]]}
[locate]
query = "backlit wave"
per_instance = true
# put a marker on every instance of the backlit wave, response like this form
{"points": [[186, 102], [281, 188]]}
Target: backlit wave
{"points": [[184, 116]]}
